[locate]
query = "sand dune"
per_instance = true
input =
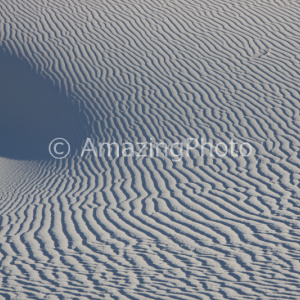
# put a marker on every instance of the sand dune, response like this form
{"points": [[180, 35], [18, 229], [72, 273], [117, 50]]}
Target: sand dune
{"points": [[149, 228], [32, 112]]}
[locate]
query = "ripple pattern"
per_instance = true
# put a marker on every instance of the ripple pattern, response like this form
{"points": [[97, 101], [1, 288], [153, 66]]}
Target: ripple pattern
{"points": [[151, 228]]}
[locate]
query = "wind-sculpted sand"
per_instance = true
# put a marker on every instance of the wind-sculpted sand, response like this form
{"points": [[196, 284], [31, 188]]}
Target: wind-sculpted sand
{"points": [[149, 228]]}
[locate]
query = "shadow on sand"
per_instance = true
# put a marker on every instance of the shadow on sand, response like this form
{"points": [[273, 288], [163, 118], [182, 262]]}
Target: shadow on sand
{"points": [[33, 112]]}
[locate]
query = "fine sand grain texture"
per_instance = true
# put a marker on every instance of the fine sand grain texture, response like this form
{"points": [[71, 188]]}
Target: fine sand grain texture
{"points": [[149, 228]]}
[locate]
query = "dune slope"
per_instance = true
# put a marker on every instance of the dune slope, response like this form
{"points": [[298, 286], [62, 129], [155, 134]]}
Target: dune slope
{"points": [[151, 228]]}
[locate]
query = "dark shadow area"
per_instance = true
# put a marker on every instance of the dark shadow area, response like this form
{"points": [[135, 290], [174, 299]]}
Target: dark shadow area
{"points": [[33, 113]]}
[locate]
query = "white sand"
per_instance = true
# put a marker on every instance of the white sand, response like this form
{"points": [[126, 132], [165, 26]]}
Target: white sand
{"points": [[202, 228]]}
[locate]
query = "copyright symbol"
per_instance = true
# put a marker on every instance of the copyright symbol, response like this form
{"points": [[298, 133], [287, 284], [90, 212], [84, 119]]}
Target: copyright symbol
{"points": [[59, 148]]}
